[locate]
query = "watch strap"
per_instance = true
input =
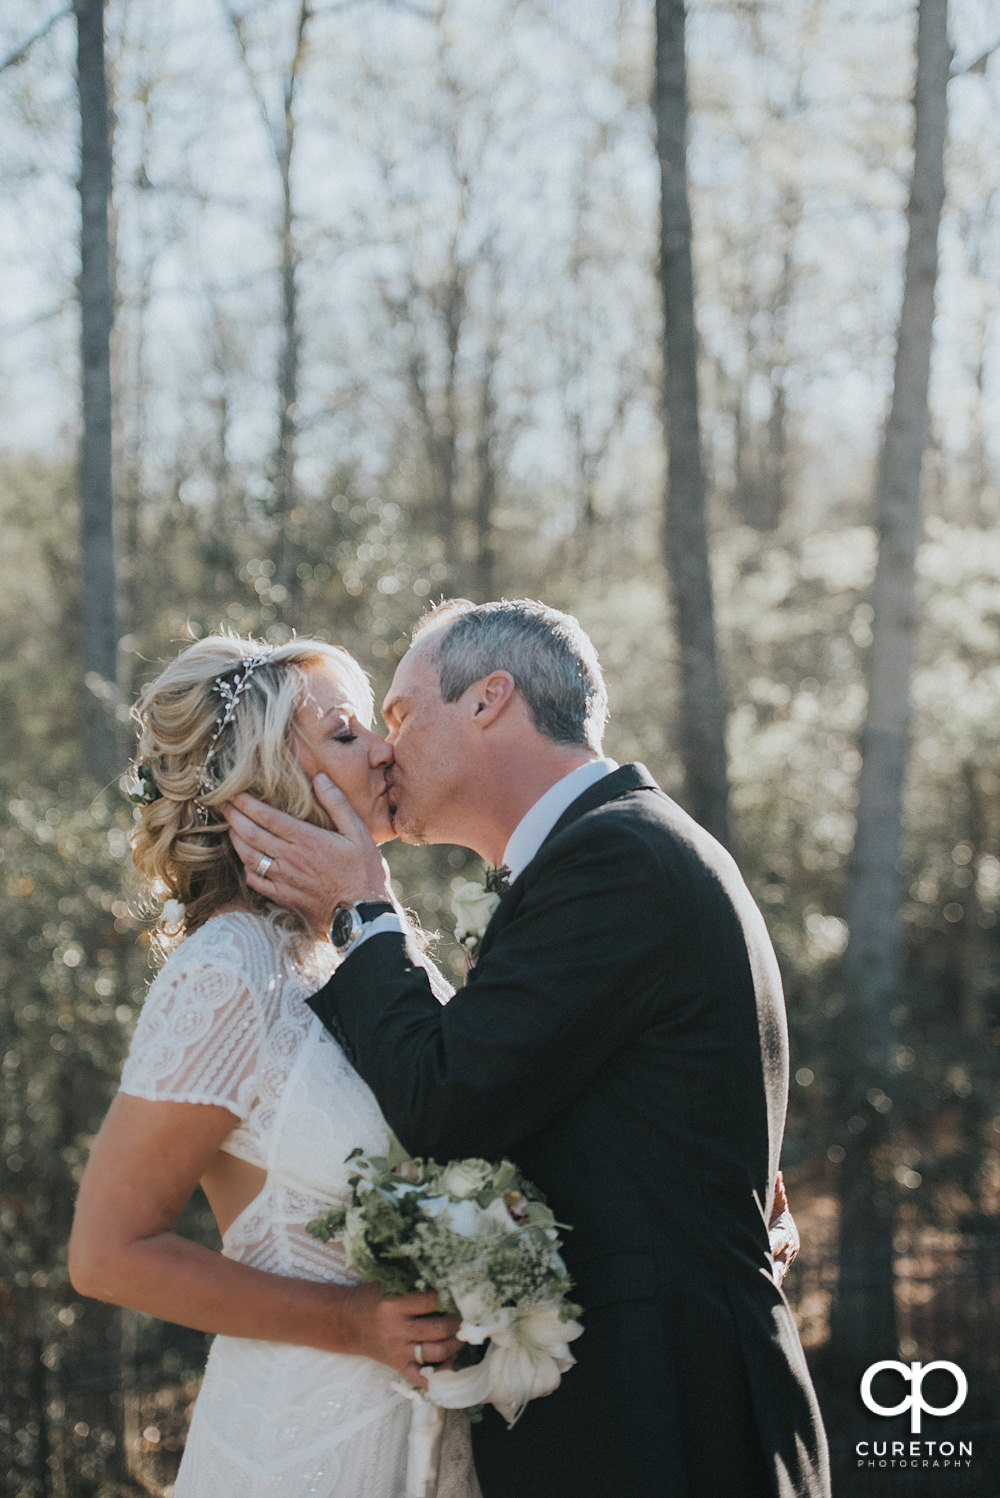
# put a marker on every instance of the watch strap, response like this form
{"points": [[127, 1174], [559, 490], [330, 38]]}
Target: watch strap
{"points": [[370, 910]]}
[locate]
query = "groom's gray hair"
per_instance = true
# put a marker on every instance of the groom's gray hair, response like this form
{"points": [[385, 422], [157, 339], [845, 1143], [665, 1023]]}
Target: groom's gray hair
{"points": [[553, 662]]}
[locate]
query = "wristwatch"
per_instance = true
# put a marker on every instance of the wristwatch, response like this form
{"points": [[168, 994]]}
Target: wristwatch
{"points": [[349, 920]]}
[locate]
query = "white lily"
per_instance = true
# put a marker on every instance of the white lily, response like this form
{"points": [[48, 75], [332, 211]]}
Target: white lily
{"points": [[525, 1360], [481, 1318]]}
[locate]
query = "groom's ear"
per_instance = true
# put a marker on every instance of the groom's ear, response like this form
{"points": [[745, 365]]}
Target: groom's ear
{"points": [[491, 696]]}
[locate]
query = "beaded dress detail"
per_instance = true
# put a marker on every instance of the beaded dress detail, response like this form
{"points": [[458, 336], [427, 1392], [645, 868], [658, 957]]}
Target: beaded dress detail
{"points": [[225, 1022]]}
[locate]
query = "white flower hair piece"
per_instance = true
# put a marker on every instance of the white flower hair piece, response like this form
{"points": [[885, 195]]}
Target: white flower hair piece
{"points": [[230, 688]]}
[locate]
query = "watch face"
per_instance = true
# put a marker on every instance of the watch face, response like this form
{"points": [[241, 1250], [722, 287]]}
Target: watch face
{"points": [[345, 926]]}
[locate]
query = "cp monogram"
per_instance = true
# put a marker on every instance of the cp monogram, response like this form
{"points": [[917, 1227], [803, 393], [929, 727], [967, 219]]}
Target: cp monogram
{"points": [[914, 1374]]}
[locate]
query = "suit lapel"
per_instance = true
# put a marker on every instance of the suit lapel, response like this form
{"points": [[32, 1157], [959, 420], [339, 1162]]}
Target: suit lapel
{"points": [[621, 782]]}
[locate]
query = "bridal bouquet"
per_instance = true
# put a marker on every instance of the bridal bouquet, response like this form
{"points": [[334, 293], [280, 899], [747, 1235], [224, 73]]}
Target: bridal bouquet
{"points": [[482, 1238]]}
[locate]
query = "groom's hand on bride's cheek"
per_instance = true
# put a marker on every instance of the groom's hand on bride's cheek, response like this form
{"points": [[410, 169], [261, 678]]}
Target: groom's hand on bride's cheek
{"points": [[283, 859], [362, 872], [303, 867]]}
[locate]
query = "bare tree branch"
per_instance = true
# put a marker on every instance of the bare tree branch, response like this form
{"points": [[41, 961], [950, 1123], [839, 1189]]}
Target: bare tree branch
{"points": [[305, 16], [236, 22], [20, 53], [979, 66]]}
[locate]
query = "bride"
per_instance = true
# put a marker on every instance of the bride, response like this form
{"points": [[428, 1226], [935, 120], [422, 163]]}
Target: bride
{"points": [[232, 1082]]}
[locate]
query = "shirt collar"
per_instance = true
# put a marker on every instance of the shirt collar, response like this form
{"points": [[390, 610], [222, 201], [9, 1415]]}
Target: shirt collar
{"points": [[536, 824]]}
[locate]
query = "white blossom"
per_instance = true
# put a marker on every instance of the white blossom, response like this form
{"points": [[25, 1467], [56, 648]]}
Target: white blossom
{"points": [[473, 906]]}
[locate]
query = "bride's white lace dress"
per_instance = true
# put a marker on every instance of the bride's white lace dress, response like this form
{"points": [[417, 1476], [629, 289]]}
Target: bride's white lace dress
{"points": [[226, 1022]]}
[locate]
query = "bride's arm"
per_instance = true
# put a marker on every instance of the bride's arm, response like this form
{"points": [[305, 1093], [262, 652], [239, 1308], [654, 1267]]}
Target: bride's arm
{"points": [[146, 1161]]}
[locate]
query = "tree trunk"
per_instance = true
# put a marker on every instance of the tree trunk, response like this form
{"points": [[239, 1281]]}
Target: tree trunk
{"points": [[864, 1325], [98, 587], [484, 564], [701, 727], [286, 491], [450, 304], [283, 476]]}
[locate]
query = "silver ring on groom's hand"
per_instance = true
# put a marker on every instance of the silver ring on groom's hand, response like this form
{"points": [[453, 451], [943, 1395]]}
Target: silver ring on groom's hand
{"points": [[262, 868], [418, 1354]]}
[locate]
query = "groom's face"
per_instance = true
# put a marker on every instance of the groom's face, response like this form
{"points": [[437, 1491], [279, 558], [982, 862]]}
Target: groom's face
{"points": [[430, 752]]}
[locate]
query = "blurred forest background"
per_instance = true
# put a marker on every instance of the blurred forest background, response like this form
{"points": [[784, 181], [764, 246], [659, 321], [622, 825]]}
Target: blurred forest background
{"points": [[384, 300]]}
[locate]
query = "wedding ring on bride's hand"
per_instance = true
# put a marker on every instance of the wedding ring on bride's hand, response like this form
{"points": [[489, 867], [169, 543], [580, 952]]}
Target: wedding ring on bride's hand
{"points": [[418, 1354], [262, 868]]}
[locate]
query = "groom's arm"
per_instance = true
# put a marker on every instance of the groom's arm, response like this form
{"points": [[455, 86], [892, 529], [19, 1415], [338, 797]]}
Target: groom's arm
{"points": [[572, 973], [568, 981]]}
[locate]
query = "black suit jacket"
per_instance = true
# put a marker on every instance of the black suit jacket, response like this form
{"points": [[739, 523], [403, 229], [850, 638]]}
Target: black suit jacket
{"points": [[622, 1037]]}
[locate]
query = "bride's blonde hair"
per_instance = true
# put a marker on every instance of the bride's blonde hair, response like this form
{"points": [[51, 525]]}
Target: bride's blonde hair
{"points": [[198, 748]]}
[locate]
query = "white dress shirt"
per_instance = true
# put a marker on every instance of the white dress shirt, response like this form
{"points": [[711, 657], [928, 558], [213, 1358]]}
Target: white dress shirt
{"points": [[536, 824]]}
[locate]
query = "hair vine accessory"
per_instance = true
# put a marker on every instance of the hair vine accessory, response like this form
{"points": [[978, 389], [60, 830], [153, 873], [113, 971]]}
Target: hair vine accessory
{"points": [[147, 791], [230, 688]]}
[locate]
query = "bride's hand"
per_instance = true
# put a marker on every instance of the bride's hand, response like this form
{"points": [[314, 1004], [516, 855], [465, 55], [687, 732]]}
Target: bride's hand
{"points": [[782, 1232], [403, 1331], [304, 867]]}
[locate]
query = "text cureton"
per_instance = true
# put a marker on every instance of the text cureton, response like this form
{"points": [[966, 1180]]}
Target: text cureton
{"points": [[913, 1448]]}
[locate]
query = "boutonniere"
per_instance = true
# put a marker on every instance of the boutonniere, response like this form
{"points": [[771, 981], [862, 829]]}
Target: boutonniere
{"points": [[474, 905]]}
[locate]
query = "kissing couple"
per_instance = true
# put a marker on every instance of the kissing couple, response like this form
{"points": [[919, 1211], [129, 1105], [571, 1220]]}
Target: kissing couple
{"points": [[621, 1037]]}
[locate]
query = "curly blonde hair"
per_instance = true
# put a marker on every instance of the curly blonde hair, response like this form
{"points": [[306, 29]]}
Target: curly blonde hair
{"points": [[181, 843]]}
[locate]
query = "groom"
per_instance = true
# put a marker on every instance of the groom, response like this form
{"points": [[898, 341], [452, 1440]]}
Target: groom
{"points": [[621, 1036]]}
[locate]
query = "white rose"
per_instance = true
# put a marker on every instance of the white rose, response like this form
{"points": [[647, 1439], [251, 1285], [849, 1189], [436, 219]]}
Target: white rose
{"points": [[473, 905], [172, 914], [464, 1178], [464, 1218]]}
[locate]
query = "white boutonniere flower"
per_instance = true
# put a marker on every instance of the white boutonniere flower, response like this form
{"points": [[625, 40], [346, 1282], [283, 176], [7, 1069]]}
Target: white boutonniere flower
{"points": [[473, 905]]}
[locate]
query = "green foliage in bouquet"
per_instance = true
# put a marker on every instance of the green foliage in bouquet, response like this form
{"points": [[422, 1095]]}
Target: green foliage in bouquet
{"points": [[477, 1233]]}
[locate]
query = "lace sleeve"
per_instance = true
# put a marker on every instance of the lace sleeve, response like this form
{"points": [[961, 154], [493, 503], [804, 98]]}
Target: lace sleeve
{"points": [[198, 1037]]}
